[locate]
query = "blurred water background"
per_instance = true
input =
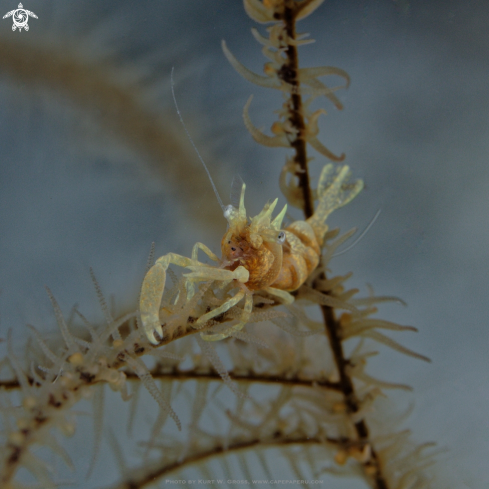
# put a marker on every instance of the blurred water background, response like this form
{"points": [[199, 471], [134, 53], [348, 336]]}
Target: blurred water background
{"points": [[94, 166]]}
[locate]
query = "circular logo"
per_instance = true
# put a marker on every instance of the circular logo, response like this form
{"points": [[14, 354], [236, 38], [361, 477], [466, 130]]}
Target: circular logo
{"points": [[20, 19]]}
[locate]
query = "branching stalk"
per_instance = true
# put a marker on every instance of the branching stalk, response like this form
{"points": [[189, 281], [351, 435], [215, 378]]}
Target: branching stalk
{"points": [[289, 75]]}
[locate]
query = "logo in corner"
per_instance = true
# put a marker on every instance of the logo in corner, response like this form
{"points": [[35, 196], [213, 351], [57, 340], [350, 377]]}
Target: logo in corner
{"points": [[20, 16]]}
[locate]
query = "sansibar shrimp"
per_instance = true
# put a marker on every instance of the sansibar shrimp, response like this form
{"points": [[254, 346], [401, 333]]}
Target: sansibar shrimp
{"points": [[257, 255]]}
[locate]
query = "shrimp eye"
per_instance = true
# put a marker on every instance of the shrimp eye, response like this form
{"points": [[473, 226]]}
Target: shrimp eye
{"points": [[233, 249], [228, 210], [281, 237]]}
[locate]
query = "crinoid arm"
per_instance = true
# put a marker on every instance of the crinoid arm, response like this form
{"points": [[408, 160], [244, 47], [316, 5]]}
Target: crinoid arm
{"points": [[154, 285]]}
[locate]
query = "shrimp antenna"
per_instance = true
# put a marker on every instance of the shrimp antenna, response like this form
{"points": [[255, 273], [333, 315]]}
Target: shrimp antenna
{"points": [[191, 140], [371, 223]]}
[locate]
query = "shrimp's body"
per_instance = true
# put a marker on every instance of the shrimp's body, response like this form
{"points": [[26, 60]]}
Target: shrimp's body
{"points": [[256, 254]]}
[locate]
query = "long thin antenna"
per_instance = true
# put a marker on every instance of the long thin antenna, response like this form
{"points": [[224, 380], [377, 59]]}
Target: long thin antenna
{"points": [[193, 144], [361, 235]]}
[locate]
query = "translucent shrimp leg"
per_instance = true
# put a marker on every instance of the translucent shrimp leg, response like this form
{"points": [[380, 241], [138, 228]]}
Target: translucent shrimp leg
{"points": [[195, 252], [283, 295], [237, 327]]}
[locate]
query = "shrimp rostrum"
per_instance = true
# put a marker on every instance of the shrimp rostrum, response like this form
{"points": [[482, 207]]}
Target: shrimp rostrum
{"points": [[257, 255]]}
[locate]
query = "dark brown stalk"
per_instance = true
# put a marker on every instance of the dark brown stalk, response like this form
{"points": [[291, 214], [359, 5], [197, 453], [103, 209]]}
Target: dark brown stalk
{"points": [[332, 327], [278, 440], [184, 375], [288, 74]]}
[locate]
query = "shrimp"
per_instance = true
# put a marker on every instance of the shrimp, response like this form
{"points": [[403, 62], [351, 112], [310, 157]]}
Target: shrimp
{"points": [[256, 256]]}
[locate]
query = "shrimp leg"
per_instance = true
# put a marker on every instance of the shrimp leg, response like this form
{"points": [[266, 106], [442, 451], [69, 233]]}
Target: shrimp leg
{"points": [[154, 285]]}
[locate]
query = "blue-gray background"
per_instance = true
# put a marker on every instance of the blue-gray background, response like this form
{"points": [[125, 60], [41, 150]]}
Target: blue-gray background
{"points": [[76, 193]]}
